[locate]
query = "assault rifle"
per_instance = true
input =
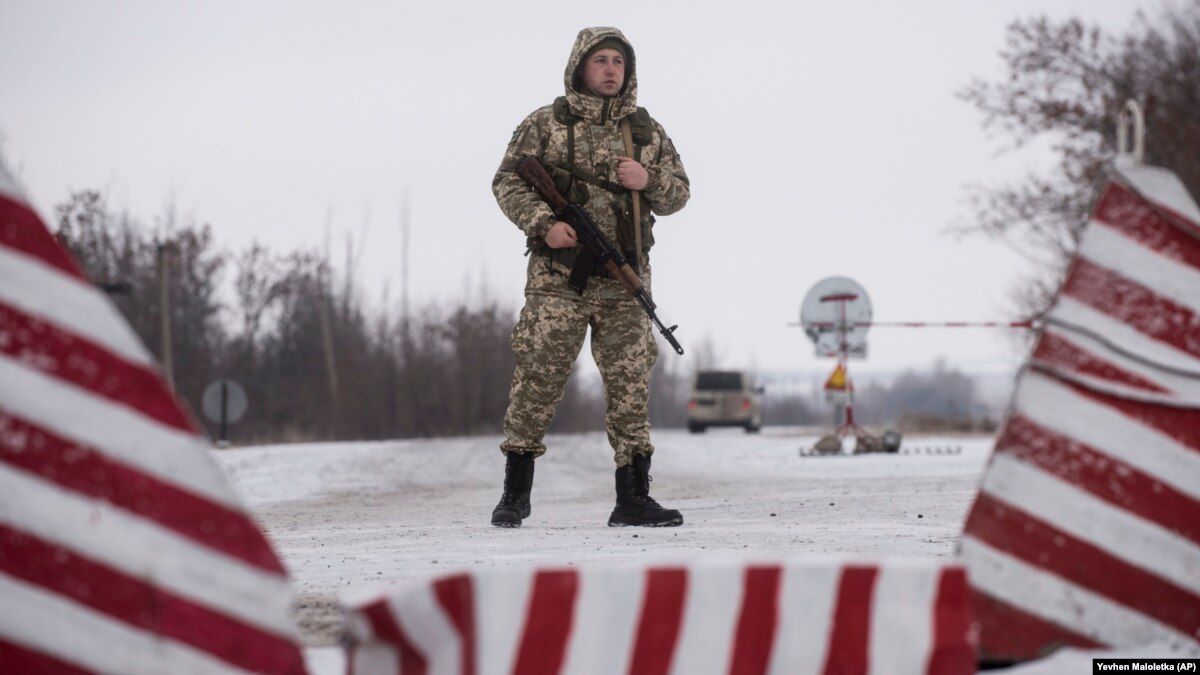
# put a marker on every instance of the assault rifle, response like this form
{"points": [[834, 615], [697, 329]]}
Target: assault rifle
{"points": [[594, 241]]}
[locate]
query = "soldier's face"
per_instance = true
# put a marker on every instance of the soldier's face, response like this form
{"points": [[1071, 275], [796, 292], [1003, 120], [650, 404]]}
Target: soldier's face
{"points": [[604, 73]]}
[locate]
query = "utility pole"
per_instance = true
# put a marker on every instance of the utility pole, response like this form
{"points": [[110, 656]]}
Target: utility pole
{"points": [[327, 343], [164, 305]]}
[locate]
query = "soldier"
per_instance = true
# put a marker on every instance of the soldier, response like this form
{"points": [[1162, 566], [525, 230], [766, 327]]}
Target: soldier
{"points": [[582, 142]]}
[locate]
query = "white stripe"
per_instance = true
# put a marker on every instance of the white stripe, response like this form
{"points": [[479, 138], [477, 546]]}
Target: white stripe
{"points": [[1123, 335], [1123, 535], [901, 633], [115, 430], [501, 605], [43, 291], [1167, 277], [375, 658], [143, 550], [1063, 411], [1161, 187], [370, 654], [606, 615], [420, 615], [50, 623], [1054, 599], [1181, 390], [714, 600], [806, 603]]}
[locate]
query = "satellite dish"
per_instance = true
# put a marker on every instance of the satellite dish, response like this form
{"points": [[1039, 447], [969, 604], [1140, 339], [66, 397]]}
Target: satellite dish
{"points": [[835, 315]]}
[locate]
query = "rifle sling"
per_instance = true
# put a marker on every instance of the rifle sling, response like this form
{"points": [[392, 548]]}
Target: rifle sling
{"points": [[615, 188]]}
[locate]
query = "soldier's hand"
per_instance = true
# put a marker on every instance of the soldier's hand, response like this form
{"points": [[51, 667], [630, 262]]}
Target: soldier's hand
{"points": [[631, 174], [561, 235]]}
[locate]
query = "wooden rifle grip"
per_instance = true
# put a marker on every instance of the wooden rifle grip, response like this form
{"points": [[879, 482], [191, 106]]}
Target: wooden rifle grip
{"points": [[531, 171], [625, 275]]}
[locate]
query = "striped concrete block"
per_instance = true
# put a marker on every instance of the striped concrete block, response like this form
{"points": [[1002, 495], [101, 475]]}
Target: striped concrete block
{"points": [[122, 547], [1086, 530], [794, 617]]}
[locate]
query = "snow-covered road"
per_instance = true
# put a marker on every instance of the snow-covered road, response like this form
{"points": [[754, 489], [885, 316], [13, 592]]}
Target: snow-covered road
{"points": [[351, 516]]}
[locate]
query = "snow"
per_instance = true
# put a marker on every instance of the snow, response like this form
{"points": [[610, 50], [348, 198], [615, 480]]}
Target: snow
{"points": [[352, 519], [357, 517]]}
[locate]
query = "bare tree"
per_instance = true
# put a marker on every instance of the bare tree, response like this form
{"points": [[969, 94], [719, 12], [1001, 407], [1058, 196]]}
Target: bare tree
{"points": [[1066, 81]]}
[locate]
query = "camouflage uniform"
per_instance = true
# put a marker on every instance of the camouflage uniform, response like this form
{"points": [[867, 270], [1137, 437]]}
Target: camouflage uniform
{"points": [[550, 332]]}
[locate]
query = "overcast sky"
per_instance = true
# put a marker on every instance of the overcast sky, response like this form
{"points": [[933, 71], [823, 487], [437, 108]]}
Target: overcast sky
{"points": [[821, 138]]}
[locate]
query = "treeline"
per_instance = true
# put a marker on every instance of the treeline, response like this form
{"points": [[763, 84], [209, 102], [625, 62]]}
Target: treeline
{"points": [[941, 399], [938, 399], [297, 334], [318, 363]]}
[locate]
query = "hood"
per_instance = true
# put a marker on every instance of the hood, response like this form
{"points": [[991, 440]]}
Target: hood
{"points": [[589, 106]]}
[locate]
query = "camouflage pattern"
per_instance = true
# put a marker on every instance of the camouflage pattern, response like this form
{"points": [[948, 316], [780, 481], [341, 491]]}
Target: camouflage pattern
{"points": [[598, 144], [555, 319]]}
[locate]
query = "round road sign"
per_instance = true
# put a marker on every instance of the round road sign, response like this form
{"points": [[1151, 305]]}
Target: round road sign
{"points": [[231, 393], [837, 310]]}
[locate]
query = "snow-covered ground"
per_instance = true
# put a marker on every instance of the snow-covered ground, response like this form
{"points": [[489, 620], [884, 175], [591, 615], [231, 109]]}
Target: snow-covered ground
{"points": [[352, 516]]}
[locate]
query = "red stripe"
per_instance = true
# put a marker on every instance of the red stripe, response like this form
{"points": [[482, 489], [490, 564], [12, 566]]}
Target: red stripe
{"points": [[1056, 350], [1024, 536], [1181, 424], [1007, 633], [456, 596], [953, 640], [21, 230], [387, 629], [17, 659], [81, 469], [1132, 216], [755, 632], [1146, 311], [47, 348], [143, 605], [662, 617], [850, 634], [548, 625], [1110, 479]]}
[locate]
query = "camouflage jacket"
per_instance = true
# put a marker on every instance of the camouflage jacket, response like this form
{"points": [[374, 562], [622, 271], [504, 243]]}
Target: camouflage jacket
{"points": [[598, 144]]}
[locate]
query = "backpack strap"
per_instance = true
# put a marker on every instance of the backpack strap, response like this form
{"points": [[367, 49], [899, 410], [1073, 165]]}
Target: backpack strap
{"points": [[564, 116], [634, 195], [641, 127]]}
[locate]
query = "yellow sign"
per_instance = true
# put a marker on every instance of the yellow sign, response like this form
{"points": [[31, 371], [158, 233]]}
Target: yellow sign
{"points": [[837, 380]]}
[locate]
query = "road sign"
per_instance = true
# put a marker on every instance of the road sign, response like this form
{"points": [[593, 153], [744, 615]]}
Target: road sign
{"points": [[224, 402], [837, 380], [835, 315]]}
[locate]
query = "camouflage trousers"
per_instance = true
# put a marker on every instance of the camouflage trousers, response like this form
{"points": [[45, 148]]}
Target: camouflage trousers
{"points": [[546, 342]]}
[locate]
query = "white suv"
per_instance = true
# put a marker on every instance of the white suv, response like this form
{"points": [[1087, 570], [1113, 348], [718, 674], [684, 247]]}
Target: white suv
{"points": [[725, 398]]}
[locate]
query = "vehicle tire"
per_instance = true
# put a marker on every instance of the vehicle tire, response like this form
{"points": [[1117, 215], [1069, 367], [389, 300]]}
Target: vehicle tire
{"points": [[696, 428], [753, 428]]}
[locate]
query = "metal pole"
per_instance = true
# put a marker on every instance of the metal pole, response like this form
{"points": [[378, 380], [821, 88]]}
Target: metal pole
{"points": [[330, 362], [922, 324], [224, 411], [164, 306]]}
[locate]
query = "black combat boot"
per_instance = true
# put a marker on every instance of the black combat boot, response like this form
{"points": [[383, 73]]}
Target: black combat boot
{"points": [[518, 481], [635, 506]]}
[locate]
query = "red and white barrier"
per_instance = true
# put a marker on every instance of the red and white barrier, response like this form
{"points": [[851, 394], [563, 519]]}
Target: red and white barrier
{"points": [[1087, 527], [800, 616], [122, 547]]}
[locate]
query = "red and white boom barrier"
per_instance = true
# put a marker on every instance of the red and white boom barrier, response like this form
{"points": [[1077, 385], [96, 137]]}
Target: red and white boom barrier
{"points": [[1086, 530], [123, 549], [795, 617]]}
